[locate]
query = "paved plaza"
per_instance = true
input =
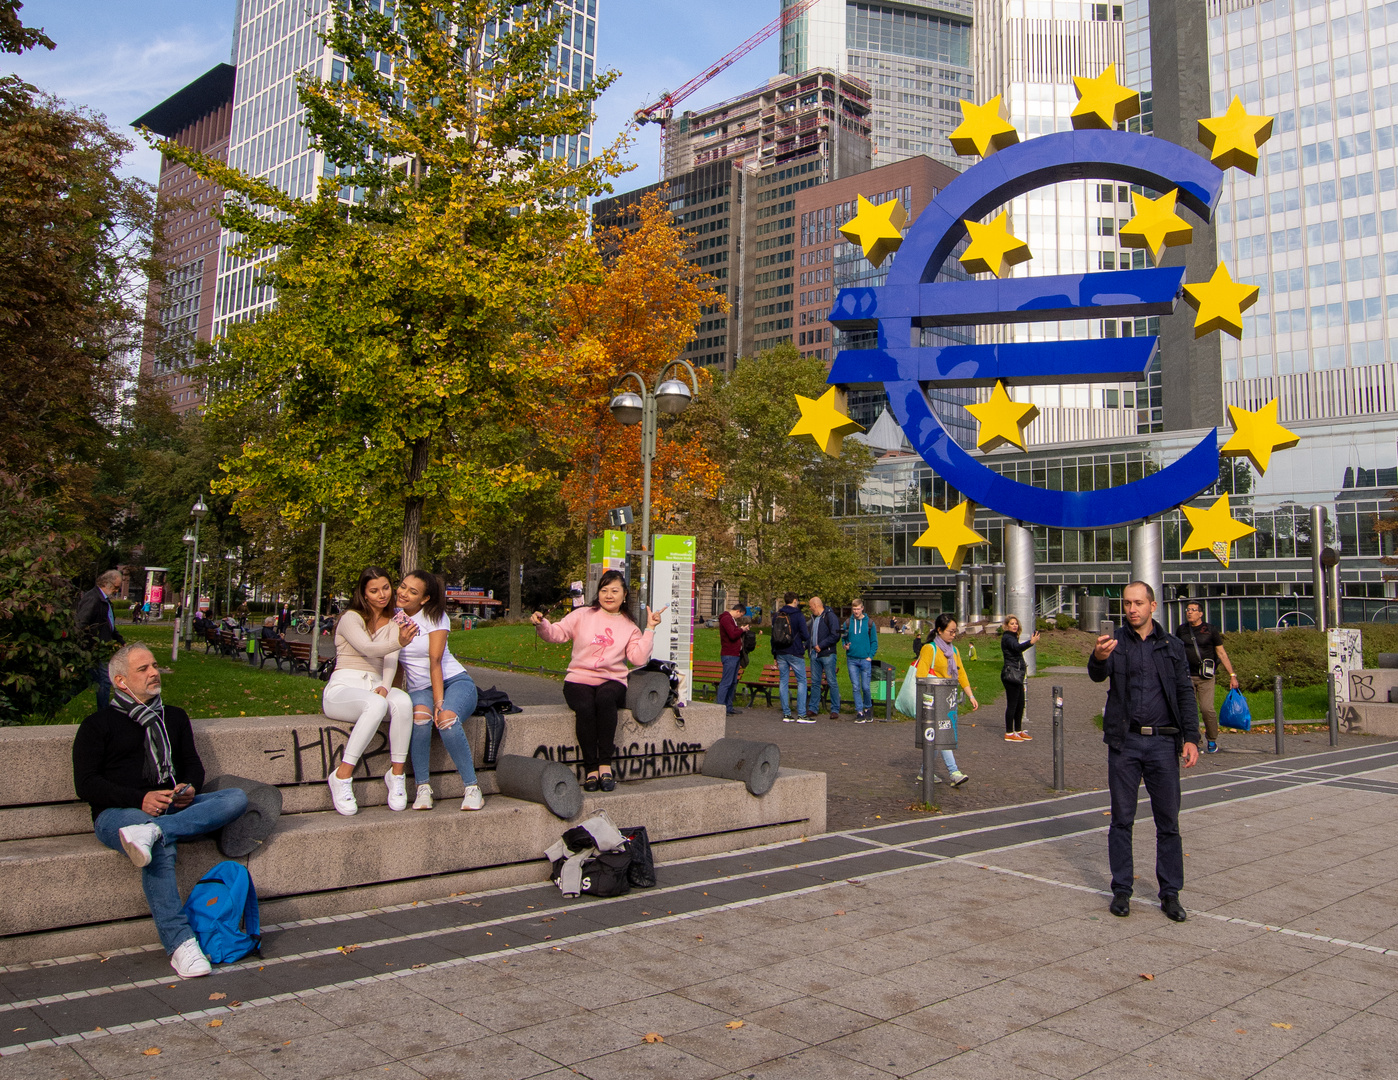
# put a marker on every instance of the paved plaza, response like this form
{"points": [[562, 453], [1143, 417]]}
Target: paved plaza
{"points": [[974, 945]]}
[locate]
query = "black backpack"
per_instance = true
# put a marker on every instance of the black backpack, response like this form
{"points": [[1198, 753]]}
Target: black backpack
{"points": [[782, 636], [749, 640]]}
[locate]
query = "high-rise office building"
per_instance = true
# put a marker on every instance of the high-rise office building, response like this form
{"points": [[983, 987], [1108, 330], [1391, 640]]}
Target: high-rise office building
{"points": [[914, 54], [199, 116]]}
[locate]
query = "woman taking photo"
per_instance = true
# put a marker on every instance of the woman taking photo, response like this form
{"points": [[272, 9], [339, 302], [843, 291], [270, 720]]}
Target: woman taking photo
{"points": [[443, 694], [359, 692], [604, 638], [1012, 678], [940, 658]]}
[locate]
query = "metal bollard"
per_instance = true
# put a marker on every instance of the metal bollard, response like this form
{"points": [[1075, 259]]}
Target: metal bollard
{"points": [[888, 692], [1278, 721], [933, 724], [1059, 784], [1334, 714]]}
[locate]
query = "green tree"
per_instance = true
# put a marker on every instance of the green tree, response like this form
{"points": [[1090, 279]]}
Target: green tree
{"points": [[777, 496], [410, 319]]}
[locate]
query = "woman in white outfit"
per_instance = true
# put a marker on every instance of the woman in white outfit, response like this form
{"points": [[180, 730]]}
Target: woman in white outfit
{"points": [[361, 692]]}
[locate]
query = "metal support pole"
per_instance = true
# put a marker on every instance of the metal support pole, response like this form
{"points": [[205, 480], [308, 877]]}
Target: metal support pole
{"points": [[1059, 784], [890, 678], [315, 619], [1334, 600], [1019, 584], [1334, 714], [648, 423], [184, 595], [974, 611], [1146, 558], [999, 609], [1278, 721], [963, 597], [188, 608], [1318, 517]]}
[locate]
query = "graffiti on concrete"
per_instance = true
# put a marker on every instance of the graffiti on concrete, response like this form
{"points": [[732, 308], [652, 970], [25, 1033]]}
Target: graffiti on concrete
{"points": [[323, 751], [1361, 686], [635, 760]]}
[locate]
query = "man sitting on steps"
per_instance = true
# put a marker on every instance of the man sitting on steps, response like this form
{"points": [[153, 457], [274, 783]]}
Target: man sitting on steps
{"points": [[135, 763]]}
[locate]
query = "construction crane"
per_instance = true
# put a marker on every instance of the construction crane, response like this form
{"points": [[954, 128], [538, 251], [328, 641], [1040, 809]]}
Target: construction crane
{"points": [[662, 109]]}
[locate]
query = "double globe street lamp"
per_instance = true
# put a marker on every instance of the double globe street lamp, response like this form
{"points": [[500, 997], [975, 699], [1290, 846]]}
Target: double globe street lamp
{"points": [[669, 396]]}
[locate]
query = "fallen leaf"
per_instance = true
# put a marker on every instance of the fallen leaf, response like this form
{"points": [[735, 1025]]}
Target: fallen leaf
{"points": [[839, 913], [733, 1025], [346, 948], [416, 966], [650, 1037], [645, 913], [1147, 975], [1240, 1031], [1284, 1027], [217, 997], [698, 937], [151, 1051], [287, 1043], [215, 1023], [234, 1004]]}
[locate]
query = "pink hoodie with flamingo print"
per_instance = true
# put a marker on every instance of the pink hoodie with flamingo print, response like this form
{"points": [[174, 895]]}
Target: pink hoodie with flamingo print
{"points": [[602, 644]]}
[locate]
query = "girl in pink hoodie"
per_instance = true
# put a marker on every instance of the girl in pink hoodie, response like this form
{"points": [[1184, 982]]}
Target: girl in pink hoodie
{"points": [[604, 638]]}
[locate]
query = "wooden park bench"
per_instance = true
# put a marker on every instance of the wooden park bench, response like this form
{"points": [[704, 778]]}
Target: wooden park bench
{"points": [[298, 654], [267, 649], [227, 642], [767, 681], [707, 673]]}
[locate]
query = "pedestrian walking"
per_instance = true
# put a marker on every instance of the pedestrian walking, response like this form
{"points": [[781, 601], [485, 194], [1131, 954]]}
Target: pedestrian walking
{"points": [[284, 619], [790, 639], [941, 658], [1203, 648], [825, 656], [1012, 676], [861, 646], [1149, 720], [97, 623], [730, 636]]}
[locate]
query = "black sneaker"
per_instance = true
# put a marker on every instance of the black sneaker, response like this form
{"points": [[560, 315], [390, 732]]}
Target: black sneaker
{"points": [[863, 718], [1120, 905]]}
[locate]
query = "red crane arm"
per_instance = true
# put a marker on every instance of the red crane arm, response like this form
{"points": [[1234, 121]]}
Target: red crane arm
{"points": [[669, 100]]}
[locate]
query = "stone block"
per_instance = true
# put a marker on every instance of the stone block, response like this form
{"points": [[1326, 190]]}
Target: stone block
{"points": [[1372, 685], [1373, 718]]}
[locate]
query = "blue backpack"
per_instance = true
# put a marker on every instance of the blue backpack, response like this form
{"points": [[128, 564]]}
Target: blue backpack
{"points": [[222, 911]]}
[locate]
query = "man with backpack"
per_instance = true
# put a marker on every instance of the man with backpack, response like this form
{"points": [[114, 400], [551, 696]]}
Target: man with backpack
{"points": [[730, 637], [861, 646], [790, 640], [825, 655], [135, 763]]}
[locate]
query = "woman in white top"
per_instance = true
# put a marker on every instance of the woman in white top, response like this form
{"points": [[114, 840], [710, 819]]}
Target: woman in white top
{"points": [[360, 691], [441, 690]]}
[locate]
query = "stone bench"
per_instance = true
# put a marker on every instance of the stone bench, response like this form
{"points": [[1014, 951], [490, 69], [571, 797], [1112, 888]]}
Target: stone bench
{"points": [[82, 897]]}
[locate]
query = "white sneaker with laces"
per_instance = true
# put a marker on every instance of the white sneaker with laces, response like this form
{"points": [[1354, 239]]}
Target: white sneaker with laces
{"points": [[397, 790], [137, 840], [958, 778], [473, 799], [189, 960], [424, 797], [342, 795]]}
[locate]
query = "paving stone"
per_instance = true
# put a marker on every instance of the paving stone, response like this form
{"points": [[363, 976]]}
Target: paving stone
{"points": [[493, 1058], [118, 1055], [314, 1057], [47, 1063], [736, 1048], [901, 1051], [647, 1060], [570, 1039], [813, 1021], [815, 1063], [510, 1009], [369, 1003], [739, 994], [268, 1025], [666, 1014], [409, 1034], [1050, 1052]]}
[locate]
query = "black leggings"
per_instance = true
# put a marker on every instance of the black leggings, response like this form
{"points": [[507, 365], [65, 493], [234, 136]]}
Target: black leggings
{"points": [[1014, 706], [595, 708]]}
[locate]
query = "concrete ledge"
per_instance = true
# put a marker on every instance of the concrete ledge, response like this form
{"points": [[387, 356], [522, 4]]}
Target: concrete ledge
{"points": [[1370, 719]]}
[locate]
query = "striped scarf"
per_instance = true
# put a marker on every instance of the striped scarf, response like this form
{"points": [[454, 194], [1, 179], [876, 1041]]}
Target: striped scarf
{"points": [[159, 768]]}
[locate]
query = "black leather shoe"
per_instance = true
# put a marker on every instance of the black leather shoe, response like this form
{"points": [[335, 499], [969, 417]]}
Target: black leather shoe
{"points": [[1120, 905], [1173, 909], [590, 784], [607, 782]]}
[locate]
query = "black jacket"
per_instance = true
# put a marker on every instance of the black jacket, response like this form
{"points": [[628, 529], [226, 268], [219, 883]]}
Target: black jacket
{"points": [[109, 756], [824, 635], [92, 617], [1173, 671]]}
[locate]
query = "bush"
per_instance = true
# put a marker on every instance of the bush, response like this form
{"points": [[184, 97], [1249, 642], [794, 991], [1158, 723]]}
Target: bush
{"points": [[1065, 621], [1298, 656]]}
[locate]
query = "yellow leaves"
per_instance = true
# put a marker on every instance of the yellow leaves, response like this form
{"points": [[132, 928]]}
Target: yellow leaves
{"points": [[733, 1025], [151, 1051], [214, 1024], [653, 1037]]}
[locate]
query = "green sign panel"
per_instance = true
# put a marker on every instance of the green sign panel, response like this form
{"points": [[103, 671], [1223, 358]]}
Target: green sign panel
{"points": [[610, 545], [674, 548]]}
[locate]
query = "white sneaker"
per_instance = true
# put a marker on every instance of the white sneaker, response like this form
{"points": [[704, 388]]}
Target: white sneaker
{"points": [[189, 960], [424, 797], [137, 840], [397, 790], [342, 795], [958, 778], [473, 799]]}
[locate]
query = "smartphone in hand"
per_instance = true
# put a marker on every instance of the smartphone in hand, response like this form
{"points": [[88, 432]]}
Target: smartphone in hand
{"points": [[400, 617], [1107, 627]]}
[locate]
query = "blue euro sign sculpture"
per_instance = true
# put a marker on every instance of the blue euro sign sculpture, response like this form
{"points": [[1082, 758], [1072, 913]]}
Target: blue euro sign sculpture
{"points": [[913, 299]]}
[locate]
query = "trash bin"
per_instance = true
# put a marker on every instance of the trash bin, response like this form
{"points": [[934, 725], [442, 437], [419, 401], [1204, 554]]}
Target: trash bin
{"points": [[936, 698]]}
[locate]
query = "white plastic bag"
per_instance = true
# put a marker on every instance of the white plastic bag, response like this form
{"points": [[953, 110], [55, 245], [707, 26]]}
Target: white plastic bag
{"points": [[906, 701]]}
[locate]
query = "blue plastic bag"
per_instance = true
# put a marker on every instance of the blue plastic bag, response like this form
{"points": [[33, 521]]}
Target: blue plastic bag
{"points": [[1235, 712]]}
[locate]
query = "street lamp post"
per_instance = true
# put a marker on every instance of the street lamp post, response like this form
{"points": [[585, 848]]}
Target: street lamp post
{"points": [[315, 618], [197, 512], [228, 607], [670, 396], [184, 595]]}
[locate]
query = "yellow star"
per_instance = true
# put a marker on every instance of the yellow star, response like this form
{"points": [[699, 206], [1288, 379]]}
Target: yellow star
{"points": [[1103, 102], [1156, 226], [1214, 529], [824, 420], [1002, 419], [950, 532], [1220, 302], [993, 249], [1257, 434], [984, 129], [878, 229], [1234, 137]]}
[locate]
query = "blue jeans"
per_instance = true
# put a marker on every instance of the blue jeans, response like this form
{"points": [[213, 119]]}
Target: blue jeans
{"points": [[103, 681], [209, 811], [785, 666], [728, 685], [459, 696], [860, 676], [829, 667]]}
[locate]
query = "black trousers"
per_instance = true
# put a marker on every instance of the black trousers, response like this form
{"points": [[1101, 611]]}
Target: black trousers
{"points": [[1014, 706], [595, 708], [1151, 758]]}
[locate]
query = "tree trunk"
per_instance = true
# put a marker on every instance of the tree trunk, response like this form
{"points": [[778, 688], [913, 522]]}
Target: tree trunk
{"points": [[516, 571], [412, 508]]}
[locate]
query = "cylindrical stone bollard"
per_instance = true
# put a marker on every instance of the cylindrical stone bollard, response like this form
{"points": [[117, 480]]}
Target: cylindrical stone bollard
{"points": [[754, 763], [646, 694], [542, 781]]}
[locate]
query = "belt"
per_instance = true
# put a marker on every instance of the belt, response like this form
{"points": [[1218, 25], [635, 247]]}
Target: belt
{"points": [[1137, 729]]}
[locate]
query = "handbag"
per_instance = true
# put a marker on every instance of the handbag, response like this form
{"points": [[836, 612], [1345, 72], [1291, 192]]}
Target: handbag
{"points": [[1013, 674]]}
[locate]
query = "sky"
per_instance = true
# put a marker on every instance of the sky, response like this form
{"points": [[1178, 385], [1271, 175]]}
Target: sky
{"points": [[121, 57]]}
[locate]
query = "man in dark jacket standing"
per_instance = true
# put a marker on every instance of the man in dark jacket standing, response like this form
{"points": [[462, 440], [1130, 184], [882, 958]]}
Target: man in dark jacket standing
{"points": [[135, 763], [825, 636], [1150, 719], [790, 640], [730, 648], [97, 624]]}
